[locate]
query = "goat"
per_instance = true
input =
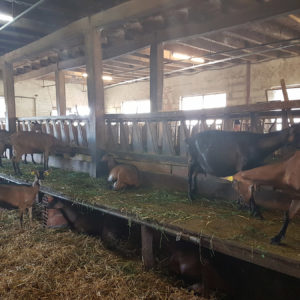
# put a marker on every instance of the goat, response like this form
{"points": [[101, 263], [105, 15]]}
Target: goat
{"points": [[4, 142], [222, 153], [35, 127], [32, 142], [21, 196], [186, 261], [281, 175], [78, 221], [121, 175], [110, 229]]}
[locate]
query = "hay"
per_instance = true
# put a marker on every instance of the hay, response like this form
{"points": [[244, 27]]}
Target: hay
{"points": [[221, 219], [59, 264]]}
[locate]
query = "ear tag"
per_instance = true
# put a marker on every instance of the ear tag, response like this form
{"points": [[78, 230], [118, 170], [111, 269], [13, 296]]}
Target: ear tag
{"points": [[229, 178]]}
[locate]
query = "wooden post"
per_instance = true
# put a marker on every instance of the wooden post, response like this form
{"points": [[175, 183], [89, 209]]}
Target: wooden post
{"points": [[147, 247], [156, 76], [253, 118], [248, 82], [96, 130], [285, 112], [9, 95], [60, 92]]}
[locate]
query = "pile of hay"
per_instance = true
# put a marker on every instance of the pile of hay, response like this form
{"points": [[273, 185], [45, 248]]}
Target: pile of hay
{"points": [[57, 264]]}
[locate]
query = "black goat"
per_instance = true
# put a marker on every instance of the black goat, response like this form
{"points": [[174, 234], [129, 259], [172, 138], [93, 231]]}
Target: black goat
{"points": [[222, 153]]}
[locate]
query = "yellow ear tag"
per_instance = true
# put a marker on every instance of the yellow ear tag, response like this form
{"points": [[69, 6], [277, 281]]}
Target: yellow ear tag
{"points": [[229, 178], [46, 173], [32, 173]]}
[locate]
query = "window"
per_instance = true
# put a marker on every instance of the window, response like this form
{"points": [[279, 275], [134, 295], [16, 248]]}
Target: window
{"points": [[203, 101], [277, 95], [2, 107], [135, 107], [80, 110]]}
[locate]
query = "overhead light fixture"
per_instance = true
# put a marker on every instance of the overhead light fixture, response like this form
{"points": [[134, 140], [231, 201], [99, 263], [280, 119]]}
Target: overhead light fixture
{"points": [[85, 75], [180, 56], [107, 78], [199, 60], [5, 18]]}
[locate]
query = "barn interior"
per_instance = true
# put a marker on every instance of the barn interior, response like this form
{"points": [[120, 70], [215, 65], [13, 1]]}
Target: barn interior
{"points": [[136, 79]]}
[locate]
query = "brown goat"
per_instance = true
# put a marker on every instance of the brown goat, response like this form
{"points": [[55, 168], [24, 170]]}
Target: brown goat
{"points": [[32, 142], [121, 175], [79, 221], [185, 260], [35, 127], [282, 175], [21, 196]]}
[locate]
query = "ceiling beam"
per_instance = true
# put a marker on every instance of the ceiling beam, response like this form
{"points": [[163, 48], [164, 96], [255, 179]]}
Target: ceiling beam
{"points": [[75, 31], [216, 23], [62, 65]]}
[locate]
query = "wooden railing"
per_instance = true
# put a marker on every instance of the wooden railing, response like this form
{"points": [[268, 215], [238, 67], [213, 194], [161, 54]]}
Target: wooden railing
{"points": [[164, 133], [69, 129]]}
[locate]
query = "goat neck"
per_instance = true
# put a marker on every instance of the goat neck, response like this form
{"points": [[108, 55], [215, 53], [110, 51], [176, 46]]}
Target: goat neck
{"points": [[70, 214], [274, 140], [36, 183], [111, 163]]}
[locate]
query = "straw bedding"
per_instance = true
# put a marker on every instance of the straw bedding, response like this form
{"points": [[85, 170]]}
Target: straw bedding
{"points": [[58, 264]]}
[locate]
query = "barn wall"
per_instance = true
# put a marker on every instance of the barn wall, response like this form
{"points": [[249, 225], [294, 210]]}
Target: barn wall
{"points": [[231, 80], [44, 97]]}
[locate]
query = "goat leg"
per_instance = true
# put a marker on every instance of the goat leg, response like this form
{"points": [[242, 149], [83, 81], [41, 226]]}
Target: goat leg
{"points": [[254, 208], [18, 168], [25, 159], [21, 217], [46, 160], [1, 165], [14, 165], [32, 159], [191, 181], [30, 215], [277, 238]]}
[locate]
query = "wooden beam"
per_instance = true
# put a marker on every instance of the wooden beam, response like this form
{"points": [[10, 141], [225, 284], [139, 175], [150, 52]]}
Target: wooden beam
{"points": [[96, 134], [147, 247], [60, 93], [229, 111], [286, 115], [134, 9], [9, 95], [36, 73], [62, 65], [216, 23], [248, 82], [156, 76], [72, 34]]}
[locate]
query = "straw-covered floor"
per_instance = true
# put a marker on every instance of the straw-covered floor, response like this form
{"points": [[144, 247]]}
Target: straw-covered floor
{"points": [[216, 218], [58, 264]]}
